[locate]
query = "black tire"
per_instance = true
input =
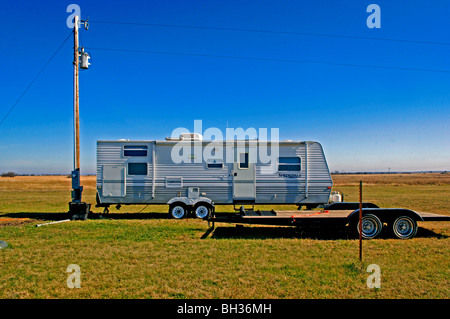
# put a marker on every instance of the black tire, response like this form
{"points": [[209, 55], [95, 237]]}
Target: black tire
{"points": [[371, 226], [202, 210], [404, 227], [178, 211]]}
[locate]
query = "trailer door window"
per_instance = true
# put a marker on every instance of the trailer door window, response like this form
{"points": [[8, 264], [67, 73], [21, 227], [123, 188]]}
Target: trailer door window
{"points": [[243, 160], [135, 150], [137, 168], [289, 164]]}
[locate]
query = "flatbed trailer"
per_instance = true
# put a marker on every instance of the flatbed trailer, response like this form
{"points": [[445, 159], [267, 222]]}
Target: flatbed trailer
{"points": [[402, 222]]}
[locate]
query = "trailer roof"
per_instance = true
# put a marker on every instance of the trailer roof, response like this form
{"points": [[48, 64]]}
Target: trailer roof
{"points": [[169, 142]]}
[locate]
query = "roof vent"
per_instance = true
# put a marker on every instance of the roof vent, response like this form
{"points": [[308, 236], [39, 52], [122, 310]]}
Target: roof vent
{"points": [[191, 137]]}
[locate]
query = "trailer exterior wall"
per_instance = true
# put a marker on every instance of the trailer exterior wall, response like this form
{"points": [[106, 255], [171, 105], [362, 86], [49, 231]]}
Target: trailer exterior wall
{"points": [[164, 179]]}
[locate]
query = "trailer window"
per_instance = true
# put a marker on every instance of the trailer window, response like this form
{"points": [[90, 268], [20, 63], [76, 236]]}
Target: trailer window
{"points": [[135, 150], [289, 164], [137, 168], [214, 164], [243, 160]]}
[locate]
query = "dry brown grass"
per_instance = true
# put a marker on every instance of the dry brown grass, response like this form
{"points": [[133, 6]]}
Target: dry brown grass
{"points": [[89, 182], [439, 179], [36, 183], [420, 192], [423, 192]]}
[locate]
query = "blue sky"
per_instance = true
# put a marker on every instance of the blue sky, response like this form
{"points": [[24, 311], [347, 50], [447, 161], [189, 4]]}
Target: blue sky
{"points": [[371, 119]]}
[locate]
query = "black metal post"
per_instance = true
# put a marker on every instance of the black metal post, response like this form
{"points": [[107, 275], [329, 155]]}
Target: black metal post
{"points": [[360, 220]]}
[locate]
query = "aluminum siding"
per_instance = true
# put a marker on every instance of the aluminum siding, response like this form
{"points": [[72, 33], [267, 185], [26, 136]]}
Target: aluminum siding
{"points": [[271, 188]]}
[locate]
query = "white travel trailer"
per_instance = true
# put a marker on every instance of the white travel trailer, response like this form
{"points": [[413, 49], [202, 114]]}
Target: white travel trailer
{"points": [[193, 175]]}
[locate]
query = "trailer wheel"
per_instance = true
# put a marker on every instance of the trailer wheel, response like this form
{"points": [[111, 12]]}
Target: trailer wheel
{"points": [[178, 211], [202, 210], [371, 226], [404, 227]]}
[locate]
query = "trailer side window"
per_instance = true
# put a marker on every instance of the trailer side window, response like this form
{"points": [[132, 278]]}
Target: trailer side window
{"points": [[137, 168], [289, 164], [135, 150], [214, 164]]}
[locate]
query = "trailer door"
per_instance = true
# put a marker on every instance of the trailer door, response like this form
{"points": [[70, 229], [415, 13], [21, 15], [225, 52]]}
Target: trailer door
{"points": [[114, 181], [244, 188]]}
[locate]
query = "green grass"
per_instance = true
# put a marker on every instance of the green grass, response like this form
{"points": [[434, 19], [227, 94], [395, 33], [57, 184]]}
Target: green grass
{"points": [[163, 258], [167, 259]]}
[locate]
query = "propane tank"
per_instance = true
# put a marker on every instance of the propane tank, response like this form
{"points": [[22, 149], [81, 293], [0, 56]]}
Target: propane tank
{"points": [[84, 59], [335, 197]]}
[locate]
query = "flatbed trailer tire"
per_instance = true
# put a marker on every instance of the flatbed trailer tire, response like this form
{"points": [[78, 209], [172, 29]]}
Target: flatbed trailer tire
{"points": [[404, 227], [371, 226]]}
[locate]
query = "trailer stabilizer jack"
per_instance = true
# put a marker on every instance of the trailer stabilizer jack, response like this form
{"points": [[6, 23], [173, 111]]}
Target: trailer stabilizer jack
{"points": [[79, 210]]}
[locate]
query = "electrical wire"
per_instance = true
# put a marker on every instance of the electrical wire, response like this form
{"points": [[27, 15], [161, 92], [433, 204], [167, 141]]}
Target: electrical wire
{"points": [[272, 32], [35, 78], [272, 60]]}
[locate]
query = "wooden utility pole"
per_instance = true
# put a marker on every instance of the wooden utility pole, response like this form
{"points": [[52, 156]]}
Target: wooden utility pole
{"points": [[77, 208]]}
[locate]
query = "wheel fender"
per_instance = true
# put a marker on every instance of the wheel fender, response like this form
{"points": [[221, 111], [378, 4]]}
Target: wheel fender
{"points": [[185, 200], [203, 200], [191, 201], [397, 212], [385, 214]]}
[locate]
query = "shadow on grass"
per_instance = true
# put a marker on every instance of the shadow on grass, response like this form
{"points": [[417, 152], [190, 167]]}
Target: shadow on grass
{"points": [[129, 216], [36, 215], [267, 232], [61, 216], [426, 233], [319, 233]]}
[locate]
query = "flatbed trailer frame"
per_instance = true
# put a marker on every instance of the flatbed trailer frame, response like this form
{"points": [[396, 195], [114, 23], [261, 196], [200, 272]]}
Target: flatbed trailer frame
{"points": [[403, 222]]}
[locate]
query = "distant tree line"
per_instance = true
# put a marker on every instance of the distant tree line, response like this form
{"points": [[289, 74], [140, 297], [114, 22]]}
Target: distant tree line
{"points": [[12, 174], [389, 172], [9, 174]]}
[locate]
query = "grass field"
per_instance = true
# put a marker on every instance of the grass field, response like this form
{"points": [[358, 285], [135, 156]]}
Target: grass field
{"points": [[161, 258]]}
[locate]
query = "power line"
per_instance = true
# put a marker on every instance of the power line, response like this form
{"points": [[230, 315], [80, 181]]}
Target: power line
{"points": [[273, 60], [272, 32], [35, 78]]}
